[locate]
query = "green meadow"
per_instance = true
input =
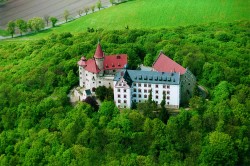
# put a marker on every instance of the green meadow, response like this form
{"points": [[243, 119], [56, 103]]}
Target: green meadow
{"points": [[145, 14]]}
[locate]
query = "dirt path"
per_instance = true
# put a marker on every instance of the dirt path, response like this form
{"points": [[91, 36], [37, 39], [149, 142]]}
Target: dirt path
{"points": [[27, 9]]}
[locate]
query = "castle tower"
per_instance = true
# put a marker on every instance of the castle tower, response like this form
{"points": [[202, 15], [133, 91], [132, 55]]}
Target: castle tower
{"points": [[82, 78], [99, 57]]}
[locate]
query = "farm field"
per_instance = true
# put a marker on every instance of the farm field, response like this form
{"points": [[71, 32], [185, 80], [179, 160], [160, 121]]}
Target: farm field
{"points": [[157, 14], [26, 9]]}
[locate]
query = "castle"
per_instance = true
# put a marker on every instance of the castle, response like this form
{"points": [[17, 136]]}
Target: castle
{"points": [[98, 71], [135, 86]]}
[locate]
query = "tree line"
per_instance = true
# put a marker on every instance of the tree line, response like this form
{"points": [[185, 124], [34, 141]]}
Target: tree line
{"points": [[38, 125], [38, 23]]}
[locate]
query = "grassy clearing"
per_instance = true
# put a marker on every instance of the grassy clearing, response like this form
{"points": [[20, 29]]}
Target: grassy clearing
{"points": [[139, 14], [4, 33]]}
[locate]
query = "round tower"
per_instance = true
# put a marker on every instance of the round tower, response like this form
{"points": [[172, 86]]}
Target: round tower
{"points": [[82, 64], [99, 57]]}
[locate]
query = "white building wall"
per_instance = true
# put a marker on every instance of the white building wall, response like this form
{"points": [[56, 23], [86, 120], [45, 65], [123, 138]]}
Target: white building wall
{"points": [[122, 95], [140, 93], [82, 77]]}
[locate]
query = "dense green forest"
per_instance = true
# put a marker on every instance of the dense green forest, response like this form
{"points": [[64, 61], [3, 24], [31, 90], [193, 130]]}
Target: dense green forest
{"points": [[38, 125]]}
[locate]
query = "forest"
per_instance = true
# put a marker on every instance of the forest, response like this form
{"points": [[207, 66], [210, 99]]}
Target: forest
{"points": [[39, 126]]}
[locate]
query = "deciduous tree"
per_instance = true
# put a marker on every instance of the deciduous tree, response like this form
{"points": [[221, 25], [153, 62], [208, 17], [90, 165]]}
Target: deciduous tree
{"points": [[66, 15], [46, 19], [53, 21], [36, 24], [11, 27], [22, 26], [99, 5], [86, 10]]}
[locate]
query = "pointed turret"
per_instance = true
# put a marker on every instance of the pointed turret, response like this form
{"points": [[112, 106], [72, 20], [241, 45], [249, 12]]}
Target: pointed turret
{"points": [[98, 52], [99, 58], [82, 62]]}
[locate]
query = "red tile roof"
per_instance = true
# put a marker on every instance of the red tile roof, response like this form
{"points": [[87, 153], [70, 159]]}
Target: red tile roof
{"points": [[98, 52], [165, 64], [91, 66], [115, 61], [82, 62]]}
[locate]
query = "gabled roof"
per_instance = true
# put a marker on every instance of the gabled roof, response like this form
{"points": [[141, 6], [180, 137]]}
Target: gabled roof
{"points": [[164, 64], [91, 66], [152, 77], [98, 52], [115, 61]]}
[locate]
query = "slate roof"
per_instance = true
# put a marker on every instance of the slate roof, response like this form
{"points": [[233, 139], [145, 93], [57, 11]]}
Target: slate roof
{"points": [[88, 92], [164, 64], [152, 77], [115, 61]]}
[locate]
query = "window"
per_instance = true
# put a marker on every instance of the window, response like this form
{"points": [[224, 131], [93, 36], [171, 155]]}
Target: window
{"points": [[139, 96], [139, 101], [119, 101], [134, 84], [118, 90], [164, 86], [120, 84], [134, 95], [134, 90], [168, 97], [168, 92], [167, 103], [139, 85], [113, 70], [145, 96], [119, 96], [125, 90], [156, 91], [139, 90], [100, 82], [80, 72], [125, 101], [145, 85], [124, 106], [156, 97], [145, 90], [168, 86], [149, 85], [125, 96], [156, 85]]}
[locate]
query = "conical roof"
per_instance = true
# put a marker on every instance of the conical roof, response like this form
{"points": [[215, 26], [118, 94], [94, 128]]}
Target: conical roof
{"points": [[82, 62], [98, 52]]}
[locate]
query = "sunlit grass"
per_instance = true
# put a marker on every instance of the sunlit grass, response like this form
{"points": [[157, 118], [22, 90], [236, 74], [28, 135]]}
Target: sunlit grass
{"points": [[146, 14]]}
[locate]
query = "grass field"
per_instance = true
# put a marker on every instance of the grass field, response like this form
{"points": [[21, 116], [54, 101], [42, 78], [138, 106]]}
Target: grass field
{"points": [[158, 14], [4, 33]]}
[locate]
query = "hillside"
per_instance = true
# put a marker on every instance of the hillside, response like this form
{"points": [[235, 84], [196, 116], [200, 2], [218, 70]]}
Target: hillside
{"points": [[38, 125], [144, 14]]}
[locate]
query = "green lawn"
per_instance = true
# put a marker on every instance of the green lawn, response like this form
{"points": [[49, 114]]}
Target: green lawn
{"points": [[4, 33], [158, 14]]}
